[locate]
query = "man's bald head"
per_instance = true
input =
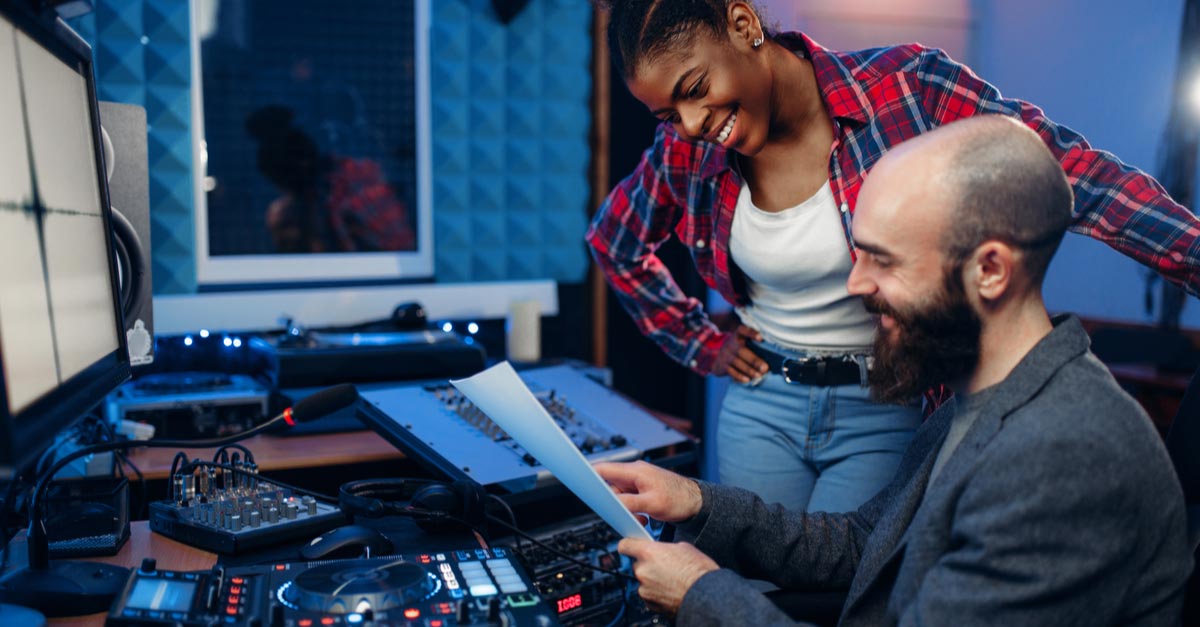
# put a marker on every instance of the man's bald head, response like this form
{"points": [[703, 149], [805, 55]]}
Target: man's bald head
{"points": [[1005, 185], [954, 229]]}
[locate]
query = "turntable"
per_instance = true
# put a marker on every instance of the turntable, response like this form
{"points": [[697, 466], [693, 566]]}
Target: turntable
{"points": [[466, 587], [357, 587], [313, 358]]}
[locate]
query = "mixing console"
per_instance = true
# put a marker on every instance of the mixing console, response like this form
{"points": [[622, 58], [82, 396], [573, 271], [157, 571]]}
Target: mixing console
{"points": [[438, 426], [460, 588]]}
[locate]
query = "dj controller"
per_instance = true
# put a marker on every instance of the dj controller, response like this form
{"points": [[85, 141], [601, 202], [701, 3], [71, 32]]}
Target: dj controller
{"points": [[456, 588]]}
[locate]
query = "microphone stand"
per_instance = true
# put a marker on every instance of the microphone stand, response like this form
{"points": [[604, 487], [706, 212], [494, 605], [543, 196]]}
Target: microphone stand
{"points": [[73, 588]]}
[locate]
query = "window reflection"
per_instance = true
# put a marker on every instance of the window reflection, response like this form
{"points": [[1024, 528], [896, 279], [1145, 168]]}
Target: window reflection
{"points": [[309, 110]]}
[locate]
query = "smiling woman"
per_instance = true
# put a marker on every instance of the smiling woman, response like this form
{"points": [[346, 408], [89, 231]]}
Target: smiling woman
{"points": [[756, 167]]}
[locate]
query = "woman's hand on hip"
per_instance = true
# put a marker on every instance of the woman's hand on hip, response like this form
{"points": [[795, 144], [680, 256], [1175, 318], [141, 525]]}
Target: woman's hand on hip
{"points": [[737, 360]]}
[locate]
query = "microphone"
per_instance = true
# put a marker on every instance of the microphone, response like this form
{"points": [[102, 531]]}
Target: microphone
{"points": [[323, 403], [70, 588]]}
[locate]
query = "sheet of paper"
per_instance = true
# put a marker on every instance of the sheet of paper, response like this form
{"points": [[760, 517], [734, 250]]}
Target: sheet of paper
{"points": [[504, 397]]}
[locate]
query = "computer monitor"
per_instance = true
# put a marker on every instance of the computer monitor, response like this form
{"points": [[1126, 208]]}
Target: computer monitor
{"points": [[62, 346]]}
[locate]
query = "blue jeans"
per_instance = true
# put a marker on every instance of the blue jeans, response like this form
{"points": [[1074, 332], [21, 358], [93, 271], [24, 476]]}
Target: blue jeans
{"points": [[816, 449]]}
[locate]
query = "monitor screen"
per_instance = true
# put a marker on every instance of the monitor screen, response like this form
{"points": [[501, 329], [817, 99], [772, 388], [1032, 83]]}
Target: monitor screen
{"points": [[314, 166], [61, 344]]}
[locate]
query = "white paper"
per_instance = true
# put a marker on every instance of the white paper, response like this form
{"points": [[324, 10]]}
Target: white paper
{"points": [[504, 397]]}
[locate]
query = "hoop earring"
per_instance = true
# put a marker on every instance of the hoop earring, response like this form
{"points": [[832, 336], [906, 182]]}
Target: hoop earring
{"points": [[759, 40]]}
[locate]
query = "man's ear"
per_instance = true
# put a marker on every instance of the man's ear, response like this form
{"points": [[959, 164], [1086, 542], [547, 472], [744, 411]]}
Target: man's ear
{"points": [[990, 272]]}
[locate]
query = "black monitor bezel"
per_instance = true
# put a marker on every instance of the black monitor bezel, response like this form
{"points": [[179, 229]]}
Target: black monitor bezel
{"points": [[25, 434]]}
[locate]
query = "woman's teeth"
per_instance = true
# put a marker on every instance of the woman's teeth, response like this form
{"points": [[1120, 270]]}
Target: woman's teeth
{"points": [[724, 134]]}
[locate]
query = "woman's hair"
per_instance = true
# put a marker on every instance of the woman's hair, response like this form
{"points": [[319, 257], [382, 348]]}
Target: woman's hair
{"points": [[641, 29]]}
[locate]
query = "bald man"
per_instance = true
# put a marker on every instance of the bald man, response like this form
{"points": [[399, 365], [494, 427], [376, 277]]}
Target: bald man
{"points": [[1040, 495]]}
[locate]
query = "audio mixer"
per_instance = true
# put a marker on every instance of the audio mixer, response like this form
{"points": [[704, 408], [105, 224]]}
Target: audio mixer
{"points": [[220, 510], [438, 426]]}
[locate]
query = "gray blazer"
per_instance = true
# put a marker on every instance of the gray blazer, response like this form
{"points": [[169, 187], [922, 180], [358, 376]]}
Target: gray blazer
{"points": [[1059, 507]]}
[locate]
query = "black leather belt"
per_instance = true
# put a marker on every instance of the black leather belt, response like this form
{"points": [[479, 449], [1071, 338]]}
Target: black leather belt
{"points": [[819, 371]]}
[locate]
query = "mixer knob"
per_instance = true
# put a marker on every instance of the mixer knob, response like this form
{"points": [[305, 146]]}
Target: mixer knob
{"points": [[149, 565]]}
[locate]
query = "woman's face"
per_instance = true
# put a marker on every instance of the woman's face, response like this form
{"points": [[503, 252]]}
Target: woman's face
{"points": [[716, 90]]}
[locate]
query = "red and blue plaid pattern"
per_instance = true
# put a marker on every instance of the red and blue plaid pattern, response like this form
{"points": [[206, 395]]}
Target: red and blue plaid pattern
{"points": [[365, 214], [877, 98]]}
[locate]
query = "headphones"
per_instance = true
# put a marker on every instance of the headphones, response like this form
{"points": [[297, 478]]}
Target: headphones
{"points": [[436, 506]]}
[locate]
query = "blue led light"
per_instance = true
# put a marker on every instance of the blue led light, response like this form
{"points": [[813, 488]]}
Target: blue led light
{"points": [[472, 328], [203, 332], [447, 327], [237, 342], [354, 619], [187, 341], [227, 342]]}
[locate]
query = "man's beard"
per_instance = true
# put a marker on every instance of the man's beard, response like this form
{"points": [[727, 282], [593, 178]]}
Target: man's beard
{"points": [[934, 344]]}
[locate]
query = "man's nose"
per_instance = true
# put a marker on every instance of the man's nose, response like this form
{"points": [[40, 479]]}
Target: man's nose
{"points": [[858, 283]]}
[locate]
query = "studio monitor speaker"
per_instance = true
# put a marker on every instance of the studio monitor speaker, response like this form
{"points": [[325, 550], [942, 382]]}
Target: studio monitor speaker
{"points": [[125, 157]]}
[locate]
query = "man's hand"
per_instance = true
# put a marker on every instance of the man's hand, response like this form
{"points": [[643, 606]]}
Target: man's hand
{"points": [[647, 489], [665, 571], [737, 360]]}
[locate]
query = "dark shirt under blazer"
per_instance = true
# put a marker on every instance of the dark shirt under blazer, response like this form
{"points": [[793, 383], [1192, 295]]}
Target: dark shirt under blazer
{"points": [[1059, 507]]}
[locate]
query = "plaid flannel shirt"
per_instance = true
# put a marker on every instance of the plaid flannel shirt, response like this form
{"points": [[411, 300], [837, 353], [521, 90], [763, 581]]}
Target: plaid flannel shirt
{"points": [[364, 212], [877, 99]]}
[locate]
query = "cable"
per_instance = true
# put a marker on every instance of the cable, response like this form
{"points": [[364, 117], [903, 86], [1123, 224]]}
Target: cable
{"points": [[143, 495], [175, 464], [621, 612], [246, 453], [200, 464], [511, 516]]}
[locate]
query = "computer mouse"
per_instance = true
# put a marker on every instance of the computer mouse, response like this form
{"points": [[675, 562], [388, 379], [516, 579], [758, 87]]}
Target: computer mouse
{"points": [[347, 542]]}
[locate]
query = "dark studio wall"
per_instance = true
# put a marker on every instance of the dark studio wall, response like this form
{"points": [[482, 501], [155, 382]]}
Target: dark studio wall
{"points": [[640, 368]]}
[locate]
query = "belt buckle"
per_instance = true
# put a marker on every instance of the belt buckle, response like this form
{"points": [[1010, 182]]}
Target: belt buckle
{"points": [[801, 363]]}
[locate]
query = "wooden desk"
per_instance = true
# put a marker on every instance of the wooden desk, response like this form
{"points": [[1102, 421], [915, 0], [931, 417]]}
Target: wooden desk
{"points": [[171, 555], [284, 453]]}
